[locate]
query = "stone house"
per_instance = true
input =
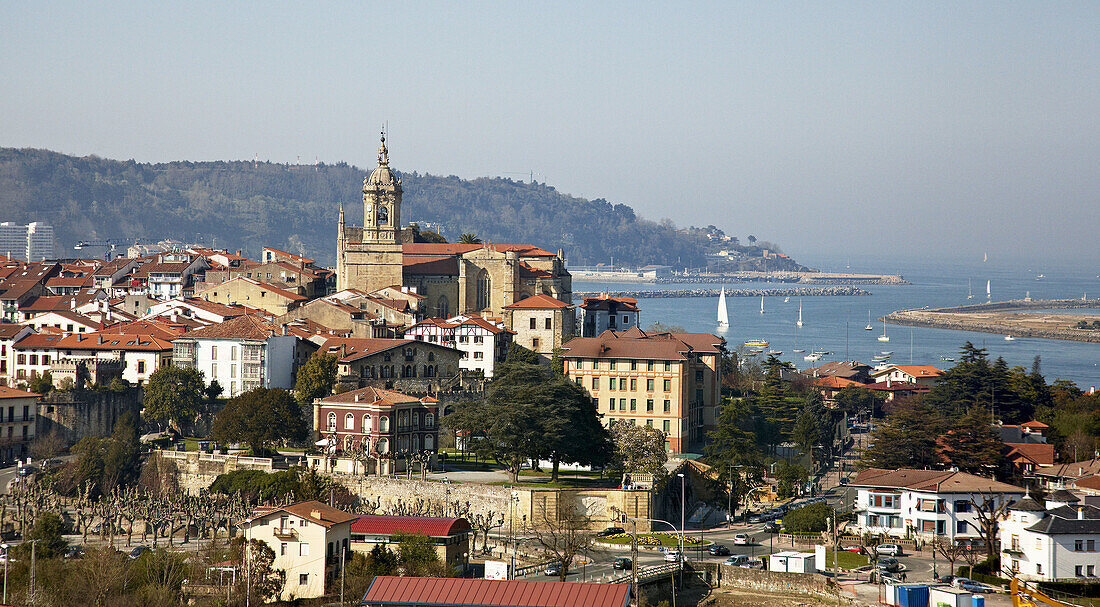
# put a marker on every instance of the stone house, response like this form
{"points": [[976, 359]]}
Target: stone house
{"points": [[542, 323]]}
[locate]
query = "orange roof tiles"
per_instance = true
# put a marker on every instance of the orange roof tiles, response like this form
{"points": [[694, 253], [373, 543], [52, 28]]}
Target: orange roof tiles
{"points": [[635, 343], [538, 302], [937, 481], [240, 327], [388, 591], [6, 392]]}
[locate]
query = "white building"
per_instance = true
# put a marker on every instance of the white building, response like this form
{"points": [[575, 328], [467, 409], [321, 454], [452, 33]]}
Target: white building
{"points": [[482, 343], [1057, 541], [921, 375], [930, 504], [32, 242], [170, 275], [307, 538], [242, 353], [598, 314]]}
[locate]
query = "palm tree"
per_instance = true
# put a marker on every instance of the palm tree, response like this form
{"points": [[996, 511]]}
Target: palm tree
{"points": [[469, 239]]}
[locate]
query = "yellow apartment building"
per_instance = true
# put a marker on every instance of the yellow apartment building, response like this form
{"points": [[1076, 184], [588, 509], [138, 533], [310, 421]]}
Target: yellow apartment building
{"points": [[669, 381]]}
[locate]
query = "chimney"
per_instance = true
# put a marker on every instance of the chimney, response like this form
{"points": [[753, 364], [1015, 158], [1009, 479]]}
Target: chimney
{"points": [[1080, 514], [315, 514], [357, 398]]}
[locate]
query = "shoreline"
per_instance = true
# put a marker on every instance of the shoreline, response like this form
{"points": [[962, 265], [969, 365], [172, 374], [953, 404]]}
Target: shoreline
{"points": [[1008, 318], [804, 278], [834, 291]]}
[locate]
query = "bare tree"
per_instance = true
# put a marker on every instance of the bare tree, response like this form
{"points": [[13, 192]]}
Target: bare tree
{"points": [[989, 508], [565, 538], [47, 446], [951, 552]]}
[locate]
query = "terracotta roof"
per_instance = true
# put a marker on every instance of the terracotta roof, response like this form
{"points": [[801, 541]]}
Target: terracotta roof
{"points": [[937, 481], [166, 267], [1040, 454], [6, 392], [389, 591], [313, 511], [240, 327], [38, 340], [47, 303], [423, 525], [635, 343], [842, 368], [8, 330], [1086, 467], [353, 348], [1091, 483], [252, 281], [440, 266], [1034, 424], [371, 395], [152, 326], [113, 341], [66, 314], [478, 321], [914, 370], [538, 302], [526, 271], [604, 302], [455, 248], [832, 381]]}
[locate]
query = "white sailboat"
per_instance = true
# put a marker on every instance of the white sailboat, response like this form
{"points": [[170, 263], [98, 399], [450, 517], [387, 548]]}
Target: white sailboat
{"points": [[987, 297], [723, 314], [969, 288], [985, 257], [761, 304], [883, 337], [868, 327], [799, 323]]}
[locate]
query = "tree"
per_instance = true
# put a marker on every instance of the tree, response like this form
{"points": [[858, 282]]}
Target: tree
{"points": [[808, 519], [121, 457], [174, 395], [565, 538], [263, 581], [571, 425], [316, 378], [46, 446], [733, 451], [789, 477], [48, 531], [973, 445], [752, 240], [907, 439], [42, 384], [361, 569], [260, 417], [638, 449], [469, 239], [212, 391], [519, 354], [989, 507], [416, 556]]}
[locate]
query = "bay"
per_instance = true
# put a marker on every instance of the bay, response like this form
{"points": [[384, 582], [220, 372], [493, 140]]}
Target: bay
{"points": [[836, 324]]}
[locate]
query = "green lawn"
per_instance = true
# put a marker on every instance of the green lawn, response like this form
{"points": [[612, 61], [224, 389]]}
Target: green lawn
{"points": [[667, 540], [561, 483], [846, 559]]}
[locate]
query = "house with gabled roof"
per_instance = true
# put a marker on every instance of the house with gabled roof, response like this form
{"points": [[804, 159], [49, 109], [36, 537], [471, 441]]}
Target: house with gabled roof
{"points": [[308, 539], [1057, 539], [254, 294], [542, 323], [449, 536], [392, 363], [921, 375], [483, 343], [598, 314]]}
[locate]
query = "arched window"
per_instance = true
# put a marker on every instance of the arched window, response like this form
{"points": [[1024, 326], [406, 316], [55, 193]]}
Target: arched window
{"points": [[349, 421], [348, 443], [429, 420], [431, 356], [403, 443], [366, 423], [366, 444], [332, 422], [429, 443], [383, 423], [442, 307], [416, 442], [383, 445], [484, 289]]}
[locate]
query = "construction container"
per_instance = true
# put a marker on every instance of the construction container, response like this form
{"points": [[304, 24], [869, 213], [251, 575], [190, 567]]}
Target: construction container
{"points": [[979, 601], [912, 595], [946, 596]]}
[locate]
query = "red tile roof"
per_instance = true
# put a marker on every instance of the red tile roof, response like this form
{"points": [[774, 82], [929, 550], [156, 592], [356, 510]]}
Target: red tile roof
{"points": [[437, 266], [834, 382], [938, 481], [371, 396], [423, 525], [240, 327], [455, 248], [538, 302], [6, 392], [914, 370], [389, 591], [1040, 454], [1088, 482], [1033, 424], [635, 343], [311, 510]]}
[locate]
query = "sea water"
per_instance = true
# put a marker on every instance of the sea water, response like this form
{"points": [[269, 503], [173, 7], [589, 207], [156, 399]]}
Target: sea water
{"points": [[836, 324]]}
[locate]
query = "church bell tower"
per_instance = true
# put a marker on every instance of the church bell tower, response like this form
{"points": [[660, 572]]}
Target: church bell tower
{"points": [[370, 258]]}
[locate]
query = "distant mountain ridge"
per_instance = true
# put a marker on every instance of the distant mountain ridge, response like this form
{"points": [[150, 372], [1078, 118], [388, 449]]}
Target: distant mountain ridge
{"points": [[246, 205]]}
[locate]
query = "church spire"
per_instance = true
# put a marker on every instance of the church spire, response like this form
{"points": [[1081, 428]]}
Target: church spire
{"points": [[383, 153], [341, 220]]}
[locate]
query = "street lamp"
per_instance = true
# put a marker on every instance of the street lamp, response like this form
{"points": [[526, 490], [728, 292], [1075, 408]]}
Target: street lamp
{"points": [[683, 515]]}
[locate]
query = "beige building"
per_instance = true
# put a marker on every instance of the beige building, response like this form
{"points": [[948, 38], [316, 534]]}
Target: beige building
{"points": [[252, 293], [542, 324], [453, 278], [18, 415], [669, 381], [307, 539]]}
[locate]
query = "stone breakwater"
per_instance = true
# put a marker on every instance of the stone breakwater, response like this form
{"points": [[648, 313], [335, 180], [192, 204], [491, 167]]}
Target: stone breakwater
{"points": [[1019, 318], [805, 278], [779, 292]]}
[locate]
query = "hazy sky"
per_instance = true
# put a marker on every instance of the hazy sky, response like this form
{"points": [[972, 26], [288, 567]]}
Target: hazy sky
{"points": [[893, 129]]}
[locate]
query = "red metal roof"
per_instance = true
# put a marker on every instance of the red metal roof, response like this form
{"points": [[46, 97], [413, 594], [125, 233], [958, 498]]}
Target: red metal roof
{"points": [[424, 525], [389, 591]]}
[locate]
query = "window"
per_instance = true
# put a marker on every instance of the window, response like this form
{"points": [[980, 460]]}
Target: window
{"points": [[34, 359], [462, 339], [668, 366], [282, 549], [383, 424], [1015, 565], [612, 383], [332, 422], [429, 420], [1090, 545], [21, 359], [233, 353], [622, 383], [622, 404], [383, 445], [668, 406], [633, 404], [213, 351], [611, 404], [960, 527], [535, 344], [232, 371], [349, 421], [141, 366], [649, 423], [303, 579], [548, 323], [927, 506], [1078, 570], [1090, 570], [1014, 542], [479, 339], [649, 385], [649, 405], [649, 365], [633, 365], [668, 385], [962, 506], [595, 383], [214, 371], [699, 375], [666, 426], [366, 423], [611, 364], [479, 356], [1078, 545], [1038, 569], [533, 321], [633, 383]]}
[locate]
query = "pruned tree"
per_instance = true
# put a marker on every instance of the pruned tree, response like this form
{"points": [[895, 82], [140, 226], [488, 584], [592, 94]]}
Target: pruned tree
{"points": [[565, 538], [951, 552], [989, 507]]}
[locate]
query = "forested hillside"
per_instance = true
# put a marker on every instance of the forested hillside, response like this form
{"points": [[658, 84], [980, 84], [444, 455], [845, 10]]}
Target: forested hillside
{"points": [[245, 205]]}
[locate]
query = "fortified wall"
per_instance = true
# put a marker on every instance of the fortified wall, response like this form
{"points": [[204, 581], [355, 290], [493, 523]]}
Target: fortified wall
{"points": [[198, 470], [72, 415]]}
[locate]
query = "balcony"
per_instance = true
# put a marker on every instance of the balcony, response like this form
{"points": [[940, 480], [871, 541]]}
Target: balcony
{"points": [[286, 534]]}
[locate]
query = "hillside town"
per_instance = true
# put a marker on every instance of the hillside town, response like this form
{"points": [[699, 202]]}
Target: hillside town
{"points": [[434, 419]]}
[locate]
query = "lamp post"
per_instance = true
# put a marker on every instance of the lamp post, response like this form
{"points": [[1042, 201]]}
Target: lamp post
{"points": [[634, 552], [683, 518]]}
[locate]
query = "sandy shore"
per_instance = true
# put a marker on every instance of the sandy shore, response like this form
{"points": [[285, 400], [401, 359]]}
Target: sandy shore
{"points": [[1007, 318]]}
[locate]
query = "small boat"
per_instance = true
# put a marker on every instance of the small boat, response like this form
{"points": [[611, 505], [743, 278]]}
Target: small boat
{"points": [[987, 296], [723, 314], [756, 351], [887, 352], [787, 300], [880, 359], [1009, 338], [758, 343], [946, 358], [868, 327], [985, 257], [761, 304], [798, 350], [883, 337], [812, 357], [1040, 277], [775, 352], [799, 322]]}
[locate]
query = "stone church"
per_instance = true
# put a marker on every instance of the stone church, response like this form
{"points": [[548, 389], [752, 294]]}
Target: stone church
{"points": [[453, 278]]}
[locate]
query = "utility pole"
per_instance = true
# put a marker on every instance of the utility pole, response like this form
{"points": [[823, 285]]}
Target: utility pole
{"points": [[34, 544], [342, 551]]}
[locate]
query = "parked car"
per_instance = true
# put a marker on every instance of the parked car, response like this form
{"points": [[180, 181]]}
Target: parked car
{"points": [[673, 555], [741, 539], [890, 549], [138, 551], [718, 550], [752, 564], [27, 470], [611, 531], [756, 518], [856, 548], [887, 563], [771, 527], [553, 569], [972, 586], [622, 563], [960, 581], [736, 560], [75, 552], [946, 579]]}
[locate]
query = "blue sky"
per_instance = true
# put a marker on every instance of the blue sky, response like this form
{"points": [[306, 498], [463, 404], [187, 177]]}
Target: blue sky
{"points": [[926, 129]]}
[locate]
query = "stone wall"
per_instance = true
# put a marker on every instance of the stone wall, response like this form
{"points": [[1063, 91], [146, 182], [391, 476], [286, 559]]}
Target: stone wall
{"points": [[79, 413], [771, 581], [197, 470]]}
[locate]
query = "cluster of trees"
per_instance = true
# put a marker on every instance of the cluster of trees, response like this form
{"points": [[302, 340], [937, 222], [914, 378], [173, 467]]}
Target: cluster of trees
{"points": [[532, 412], [296, 484], [100, 465], [415, 556], [247, 205]]}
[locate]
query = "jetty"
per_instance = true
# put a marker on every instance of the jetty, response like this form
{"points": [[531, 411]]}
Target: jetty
{"points": [[1018, 318], [834, 291]]}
